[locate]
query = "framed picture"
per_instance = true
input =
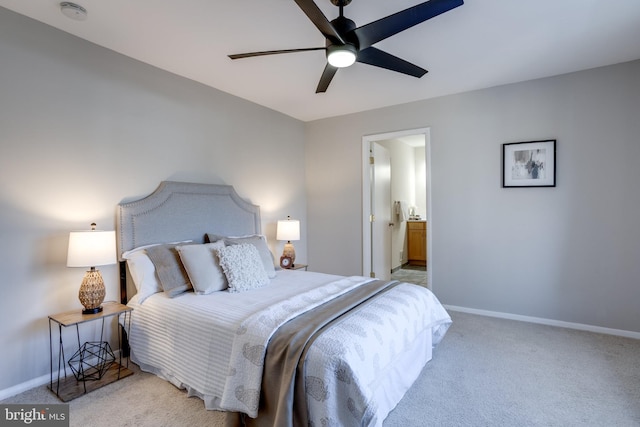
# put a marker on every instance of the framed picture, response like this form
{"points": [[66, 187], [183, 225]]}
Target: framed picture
{"points": [[529, 164]]}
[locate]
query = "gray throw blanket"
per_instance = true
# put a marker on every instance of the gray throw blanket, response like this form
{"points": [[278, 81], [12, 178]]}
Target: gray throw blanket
{"points": [[283, 395]]}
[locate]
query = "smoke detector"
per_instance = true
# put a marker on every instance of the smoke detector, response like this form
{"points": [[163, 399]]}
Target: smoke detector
{"points": [[73, 11]]}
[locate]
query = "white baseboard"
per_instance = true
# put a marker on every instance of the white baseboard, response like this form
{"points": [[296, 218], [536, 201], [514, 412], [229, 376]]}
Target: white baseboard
{"points": [[27, 385], [549, 322], [37, 382]]}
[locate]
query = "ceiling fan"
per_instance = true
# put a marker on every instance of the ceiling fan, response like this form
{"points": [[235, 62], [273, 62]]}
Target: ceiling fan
{"points": [[346, 43]]}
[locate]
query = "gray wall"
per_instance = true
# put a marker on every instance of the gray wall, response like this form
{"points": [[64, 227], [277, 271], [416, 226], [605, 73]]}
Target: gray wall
{"points": [[570, 253], [83, 128]]}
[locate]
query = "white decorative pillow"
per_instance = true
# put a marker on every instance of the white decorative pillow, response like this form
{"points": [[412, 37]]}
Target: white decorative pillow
{"points": [[143, 273], [130, 253], [203, 268], [257, 240], [243, 267]]}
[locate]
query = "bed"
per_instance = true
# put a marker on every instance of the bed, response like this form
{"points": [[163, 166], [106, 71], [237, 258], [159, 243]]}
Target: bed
{"points": [[213, 316]]}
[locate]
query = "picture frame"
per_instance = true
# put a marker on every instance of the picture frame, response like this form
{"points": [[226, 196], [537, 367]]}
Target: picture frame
{"points": [[529, 164]]}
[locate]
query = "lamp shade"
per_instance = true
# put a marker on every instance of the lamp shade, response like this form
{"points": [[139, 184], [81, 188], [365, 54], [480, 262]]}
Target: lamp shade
{"points": [[288, 229], [91, 248]]}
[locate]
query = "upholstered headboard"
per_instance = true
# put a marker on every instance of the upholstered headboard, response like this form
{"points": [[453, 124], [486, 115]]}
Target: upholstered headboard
{"points": [[178, 211], [184, 211]]}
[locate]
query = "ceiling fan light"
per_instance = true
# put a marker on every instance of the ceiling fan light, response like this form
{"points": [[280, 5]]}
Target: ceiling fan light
{"points": [[341, 56]]}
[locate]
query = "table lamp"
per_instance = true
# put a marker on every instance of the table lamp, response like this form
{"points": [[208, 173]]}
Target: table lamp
{"points": [[91, 248], [288, 229]]}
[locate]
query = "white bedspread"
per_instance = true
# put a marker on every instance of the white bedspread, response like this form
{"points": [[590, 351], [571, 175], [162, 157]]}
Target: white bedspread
{"points": [[242, 386], [358, 370], [187, 340], [191, 341]]}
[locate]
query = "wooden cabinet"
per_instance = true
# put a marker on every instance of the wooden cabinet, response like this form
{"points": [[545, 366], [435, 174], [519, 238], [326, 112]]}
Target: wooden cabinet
{"points": [[417, 242]]}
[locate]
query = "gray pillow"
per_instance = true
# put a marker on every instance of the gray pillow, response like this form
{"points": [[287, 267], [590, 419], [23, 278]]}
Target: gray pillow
{"points": [[257, 240], [203, 268], [171, 273]]}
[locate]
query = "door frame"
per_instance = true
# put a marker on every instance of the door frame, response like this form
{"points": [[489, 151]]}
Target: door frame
{"points": [[366, 195]]}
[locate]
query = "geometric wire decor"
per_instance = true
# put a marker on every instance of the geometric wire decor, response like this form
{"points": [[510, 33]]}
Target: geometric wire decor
{"points": [[92, 361]]}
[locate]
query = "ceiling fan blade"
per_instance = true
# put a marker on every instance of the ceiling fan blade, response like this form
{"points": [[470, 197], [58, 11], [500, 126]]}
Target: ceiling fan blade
{"points": [[325, 79], [321, 22], [379, 58], [273, 52], [376, 31]]}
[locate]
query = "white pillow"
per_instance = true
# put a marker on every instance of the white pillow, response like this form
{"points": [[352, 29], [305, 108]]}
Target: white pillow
{"points": [[257, 240], [203, 268], [143, 273], [130, 253], [243, 267]]}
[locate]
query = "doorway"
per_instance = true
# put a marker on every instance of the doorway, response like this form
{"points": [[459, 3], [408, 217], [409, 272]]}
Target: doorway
{"points": [[380, 228]]}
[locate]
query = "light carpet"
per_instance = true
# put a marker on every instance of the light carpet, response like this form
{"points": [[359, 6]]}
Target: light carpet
{"points": [[486, 372]]}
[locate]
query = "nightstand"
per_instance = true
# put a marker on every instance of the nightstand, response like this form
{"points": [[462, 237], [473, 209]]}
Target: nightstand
{"points": [[94, 365], [299, 267]]}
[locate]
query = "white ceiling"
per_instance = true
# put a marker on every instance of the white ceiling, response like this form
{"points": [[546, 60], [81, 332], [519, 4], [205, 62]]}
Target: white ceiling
{"points": [[481, 44]]}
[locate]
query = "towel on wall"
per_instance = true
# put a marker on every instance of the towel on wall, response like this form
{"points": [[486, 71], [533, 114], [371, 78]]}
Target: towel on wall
{"points": [[401, 210]]}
